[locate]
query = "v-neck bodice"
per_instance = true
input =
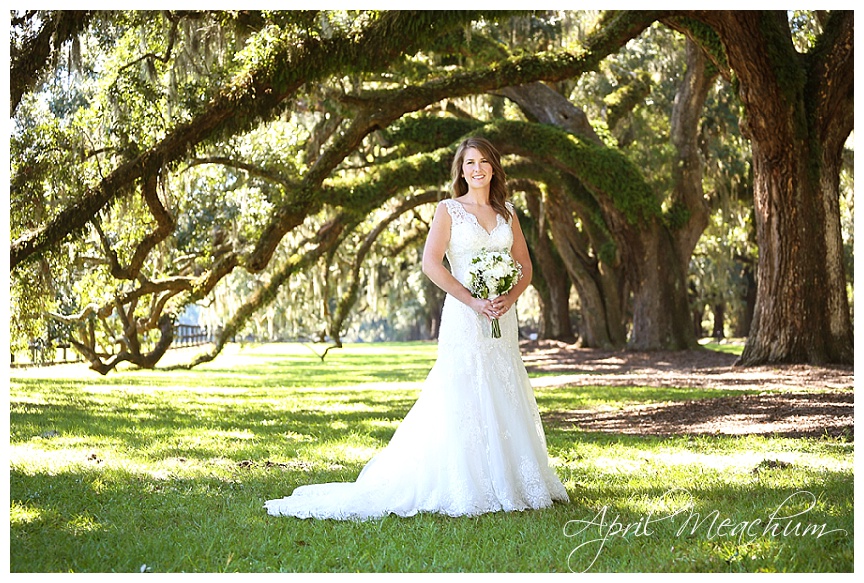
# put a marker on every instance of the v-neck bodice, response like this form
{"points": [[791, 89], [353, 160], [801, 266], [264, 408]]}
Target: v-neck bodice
{"points": [[498, 219], [468, 237]]}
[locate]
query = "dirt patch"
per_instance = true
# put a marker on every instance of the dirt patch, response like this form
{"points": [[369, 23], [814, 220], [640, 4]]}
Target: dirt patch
{"points": [[786, 415], [813, 400]]}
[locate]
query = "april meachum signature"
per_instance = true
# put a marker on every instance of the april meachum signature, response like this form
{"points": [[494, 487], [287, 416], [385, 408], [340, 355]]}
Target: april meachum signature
{"points": [[779, 523]]}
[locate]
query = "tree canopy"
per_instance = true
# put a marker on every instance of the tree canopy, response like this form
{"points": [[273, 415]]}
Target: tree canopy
{"points": [[285, 164]]}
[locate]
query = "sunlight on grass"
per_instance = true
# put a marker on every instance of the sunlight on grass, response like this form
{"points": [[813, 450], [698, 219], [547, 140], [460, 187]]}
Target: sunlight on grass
{"points": [[172, 469], [746, 461], [293, 436], [603, 398], [670, 460], [217, 435], [33, 459], [20, 514], [346, 452], [731, 346], [81, 524]]}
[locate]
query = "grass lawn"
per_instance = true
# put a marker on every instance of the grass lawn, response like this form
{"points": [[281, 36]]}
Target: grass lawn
{"points": [[168, 472]]}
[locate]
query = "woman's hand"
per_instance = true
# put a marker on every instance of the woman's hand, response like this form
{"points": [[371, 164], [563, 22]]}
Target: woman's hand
{"points": [[492, 308], [502, 304], [484, 308]]}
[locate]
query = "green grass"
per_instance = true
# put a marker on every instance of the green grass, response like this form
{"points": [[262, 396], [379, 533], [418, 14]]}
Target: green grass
{"points": [[734, 346], [170, 471]]}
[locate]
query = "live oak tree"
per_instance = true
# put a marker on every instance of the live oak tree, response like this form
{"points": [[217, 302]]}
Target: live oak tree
{"points": [[180, 176], [656, 247], [251, 93], [633, 225], [798, 113], [289, 55]]}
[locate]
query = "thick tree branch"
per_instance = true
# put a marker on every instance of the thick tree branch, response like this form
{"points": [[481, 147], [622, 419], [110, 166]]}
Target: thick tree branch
{"points": [[246, 100], [687, 191], [325, 239], [147, 360], [384, 107], [545, 105], [164, 227], [831, 79], [251, 169]]}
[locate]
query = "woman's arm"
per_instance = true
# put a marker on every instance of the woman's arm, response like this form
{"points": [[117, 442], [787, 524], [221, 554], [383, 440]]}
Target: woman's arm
{"points": [[433, 264]]}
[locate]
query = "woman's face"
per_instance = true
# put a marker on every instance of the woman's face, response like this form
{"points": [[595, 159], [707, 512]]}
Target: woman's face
{"points": [[476, 169]]}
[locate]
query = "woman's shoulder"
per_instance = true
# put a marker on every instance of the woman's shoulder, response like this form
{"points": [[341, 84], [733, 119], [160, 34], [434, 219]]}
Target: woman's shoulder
{"points": [[452, 206], [456, 202], [446, 204]]}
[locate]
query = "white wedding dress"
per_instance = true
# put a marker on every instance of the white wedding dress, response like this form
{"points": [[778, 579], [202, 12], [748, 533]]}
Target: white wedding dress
{"points": [[473, 442]]}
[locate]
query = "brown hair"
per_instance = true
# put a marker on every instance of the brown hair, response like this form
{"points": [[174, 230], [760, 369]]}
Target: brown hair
{"points": [[498, 186]]}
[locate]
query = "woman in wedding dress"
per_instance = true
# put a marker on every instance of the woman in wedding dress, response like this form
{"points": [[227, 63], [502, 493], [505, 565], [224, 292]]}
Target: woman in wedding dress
{"points": [[473, 442]]}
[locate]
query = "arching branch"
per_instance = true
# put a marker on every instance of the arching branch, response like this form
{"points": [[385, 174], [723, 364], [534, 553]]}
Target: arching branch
{"points": [[248, 99], [378, 109], [251, 169], [325, 238], [164, 227]]}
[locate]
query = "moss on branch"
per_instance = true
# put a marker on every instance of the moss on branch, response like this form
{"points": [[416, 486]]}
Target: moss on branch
{"points": [[425, 132], [379, 183], [609, 175]]}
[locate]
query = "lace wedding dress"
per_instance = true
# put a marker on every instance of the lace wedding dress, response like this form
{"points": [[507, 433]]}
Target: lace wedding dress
{"points": [[473, 442]]}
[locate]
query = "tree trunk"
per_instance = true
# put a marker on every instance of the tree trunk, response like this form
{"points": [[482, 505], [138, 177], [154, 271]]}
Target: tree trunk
{"points": [[602, 325], [742, 328], [697, 309], [598, 286], [719, 310], [698, 332], [799, 115], [658, 255], [434, 306], [550, 275], [801, 313], [661, 311]]}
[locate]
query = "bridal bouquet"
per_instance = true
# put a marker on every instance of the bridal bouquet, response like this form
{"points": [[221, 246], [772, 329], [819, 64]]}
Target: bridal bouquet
{"points": [[490, 274]]}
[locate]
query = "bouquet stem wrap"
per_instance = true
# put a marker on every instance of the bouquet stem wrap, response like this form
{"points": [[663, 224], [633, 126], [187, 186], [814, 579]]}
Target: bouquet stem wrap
{"points": [[491, 274], [496, 328]]}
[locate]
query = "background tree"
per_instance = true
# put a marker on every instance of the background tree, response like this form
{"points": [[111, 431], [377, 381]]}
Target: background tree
{"points": [[798, 114]]}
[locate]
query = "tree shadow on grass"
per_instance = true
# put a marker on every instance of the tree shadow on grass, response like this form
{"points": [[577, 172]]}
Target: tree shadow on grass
{"points": [[200, 425], [99, 517], [777, 414]]}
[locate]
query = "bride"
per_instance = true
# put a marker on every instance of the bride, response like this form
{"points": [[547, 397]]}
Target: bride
{"points": [[473, 442]]}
